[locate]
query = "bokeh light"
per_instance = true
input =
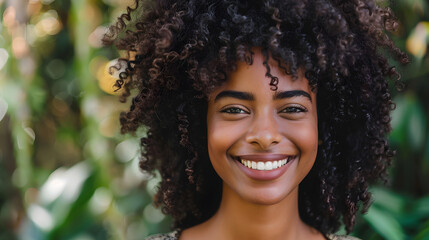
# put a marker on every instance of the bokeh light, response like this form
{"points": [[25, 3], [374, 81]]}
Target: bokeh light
{"points": [[4, 56], [100, 201], [3, 108], [95, 38], [417, 42], [108, 74], [19, 47], [9, 17], [41, 217], [48, 24]]}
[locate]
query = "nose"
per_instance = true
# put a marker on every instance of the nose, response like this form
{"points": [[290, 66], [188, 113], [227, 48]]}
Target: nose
{"points": [[264, 132]]}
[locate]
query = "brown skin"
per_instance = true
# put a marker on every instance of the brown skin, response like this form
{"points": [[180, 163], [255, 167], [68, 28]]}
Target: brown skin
{"points": [[261, 127]]}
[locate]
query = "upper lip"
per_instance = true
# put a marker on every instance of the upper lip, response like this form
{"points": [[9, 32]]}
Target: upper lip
{"points": [[263, 157]]}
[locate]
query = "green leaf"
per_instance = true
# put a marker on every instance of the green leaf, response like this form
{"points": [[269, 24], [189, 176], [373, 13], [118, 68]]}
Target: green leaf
{"points": [[417, 126], [399, 119], [409, 122], [424, 233], [37, 99], [389, 201], [384, 224], [422, 207]]}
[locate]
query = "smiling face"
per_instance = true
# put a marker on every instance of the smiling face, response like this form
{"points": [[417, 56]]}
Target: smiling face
{"points": [[262, 143]]}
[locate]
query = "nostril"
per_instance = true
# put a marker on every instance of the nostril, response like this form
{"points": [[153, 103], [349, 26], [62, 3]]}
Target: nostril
{"points": [[264, 132], [264, 141]]}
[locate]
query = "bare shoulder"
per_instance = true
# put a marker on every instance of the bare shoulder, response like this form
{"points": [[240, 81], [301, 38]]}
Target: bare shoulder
{"points": [[341, 237], [174, 235]]}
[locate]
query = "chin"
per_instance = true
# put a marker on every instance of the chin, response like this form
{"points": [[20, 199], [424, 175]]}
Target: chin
{"points": [[269, 196]]}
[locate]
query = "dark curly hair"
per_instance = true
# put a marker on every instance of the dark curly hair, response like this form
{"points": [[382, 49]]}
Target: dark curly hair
{"points": [[179, 51]]}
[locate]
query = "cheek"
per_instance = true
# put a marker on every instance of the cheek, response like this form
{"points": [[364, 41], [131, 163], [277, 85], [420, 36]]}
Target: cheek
{"points": [[218, 145], [305, 137], [216, 140], [308, 137], [222, 136], [219, 137]]}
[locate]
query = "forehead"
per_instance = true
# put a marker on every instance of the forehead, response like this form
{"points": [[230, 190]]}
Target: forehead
{"points": [[254, 77]]}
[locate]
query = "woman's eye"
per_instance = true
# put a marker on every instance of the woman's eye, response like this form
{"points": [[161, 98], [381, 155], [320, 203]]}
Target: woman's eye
{"points": [[294, 109], [234, 110]]}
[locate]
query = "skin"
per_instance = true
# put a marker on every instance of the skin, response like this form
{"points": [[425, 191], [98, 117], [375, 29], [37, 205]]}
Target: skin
{"points": [[246, 119]]}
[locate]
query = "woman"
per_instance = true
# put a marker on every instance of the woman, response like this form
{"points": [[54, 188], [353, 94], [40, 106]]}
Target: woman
{"points": [[266, 119]]}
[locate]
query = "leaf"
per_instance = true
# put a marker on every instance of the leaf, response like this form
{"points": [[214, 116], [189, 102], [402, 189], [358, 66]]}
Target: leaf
{"points": [[400, 119], [426, 154], [422, 207], [423, 234], [416, 125], [37, 99], [389, 201], [384, 224], [409, 122]]}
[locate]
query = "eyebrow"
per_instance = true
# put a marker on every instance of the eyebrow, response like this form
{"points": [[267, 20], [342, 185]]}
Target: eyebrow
{"points": [[235, 94], [250, 97], [290, 94]]}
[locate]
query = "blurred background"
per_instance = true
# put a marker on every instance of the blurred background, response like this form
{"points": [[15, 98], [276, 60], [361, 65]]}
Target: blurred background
{"points": [[67, 173]]}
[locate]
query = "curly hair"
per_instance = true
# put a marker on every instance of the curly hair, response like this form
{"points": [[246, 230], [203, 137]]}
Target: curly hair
{"points": [[179, 51]]}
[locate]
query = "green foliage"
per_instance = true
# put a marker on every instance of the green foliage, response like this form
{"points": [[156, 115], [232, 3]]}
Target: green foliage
{"points": [[67, 173]]}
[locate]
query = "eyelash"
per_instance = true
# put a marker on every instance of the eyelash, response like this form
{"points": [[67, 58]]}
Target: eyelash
{"points": [[234, 110], [291, 109]]}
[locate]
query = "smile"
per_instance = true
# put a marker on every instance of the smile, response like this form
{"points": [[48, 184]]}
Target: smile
{"points": [[266, 165]]}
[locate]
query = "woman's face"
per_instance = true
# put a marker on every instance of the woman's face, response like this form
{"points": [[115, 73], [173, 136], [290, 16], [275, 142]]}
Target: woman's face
{"points": [[262, 143]]}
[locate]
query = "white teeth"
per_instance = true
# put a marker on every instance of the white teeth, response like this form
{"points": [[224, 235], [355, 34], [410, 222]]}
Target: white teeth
{"points": [[253, 165], [260, 166], [265, 166], [268, 166]]}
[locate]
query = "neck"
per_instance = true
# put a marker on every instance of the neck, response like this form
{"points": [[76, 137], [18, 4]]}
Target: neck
{"points": [[240, 219]]}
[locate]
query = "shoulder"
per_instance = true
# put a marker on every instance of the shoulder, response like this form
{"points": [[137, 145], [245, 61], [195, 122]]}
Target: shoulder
{"points": [[174, 235], [341, 237]]}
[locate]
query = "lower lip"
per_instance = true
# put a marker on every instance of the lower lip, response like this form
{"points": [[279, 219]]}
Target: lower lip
{"points": [[265, 175]]}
